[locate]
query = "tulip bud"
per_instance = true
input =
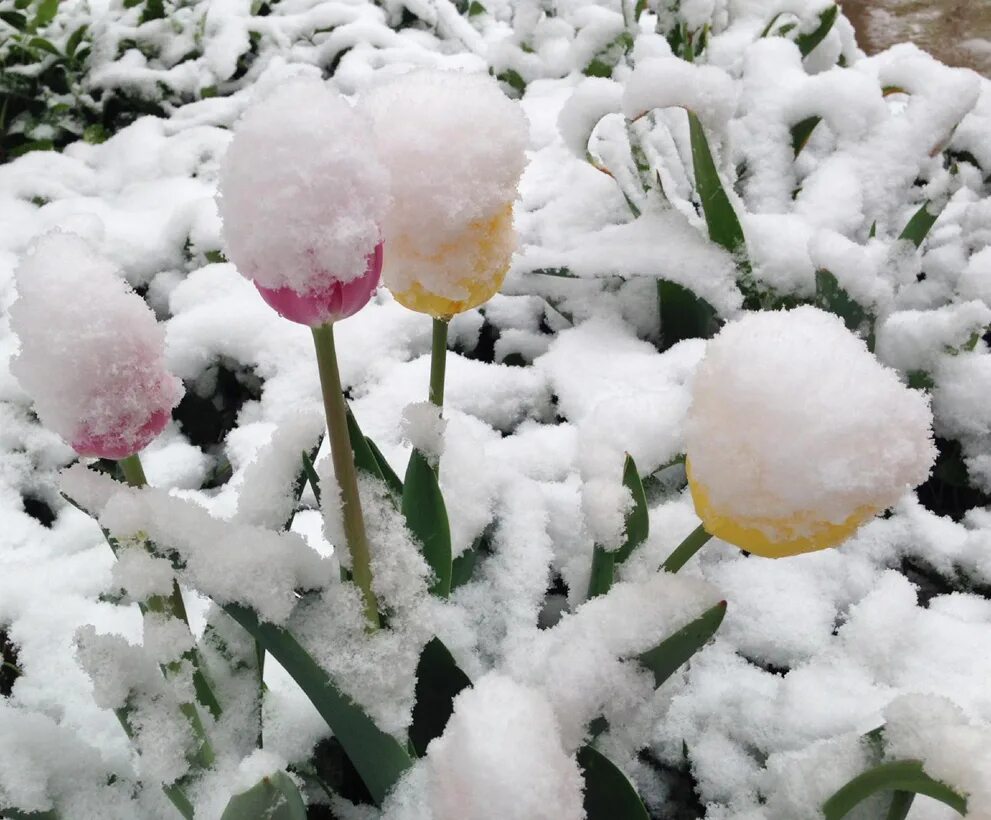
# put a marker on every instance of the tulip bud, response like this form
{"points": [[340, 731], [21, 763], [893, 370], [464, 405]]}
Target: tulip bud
{"points": [[302, 196], [797, 434], [92, 355], [454, 145]]}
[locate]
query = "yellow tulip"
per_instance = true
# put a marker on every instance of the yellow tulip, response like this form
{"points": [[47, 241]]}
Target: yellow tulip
{"points": [[803, 531], [482, 251]]}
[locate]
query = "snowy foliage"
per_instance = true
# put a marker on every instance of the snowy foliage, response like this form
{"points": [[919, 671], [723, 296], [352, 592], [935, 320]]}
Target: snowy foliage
{"points": [[859, 185]]}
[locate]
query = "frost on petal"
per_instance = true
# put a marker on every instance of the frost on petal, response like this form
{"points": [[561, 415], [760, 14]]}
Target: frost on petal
{"points": [[92, 354], [302, 193]]}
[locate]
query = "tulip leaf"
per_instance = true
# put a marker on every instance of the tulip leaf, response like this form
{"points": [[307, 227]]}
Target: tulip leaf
{"points": [[364, 457], [426, 516], [609, 795], [388, 474], [603, 566], [801, 133], [378, 757], [14, 814], [683, 314], [898, 776], [919, 225], [273, 798], [674, 651], [638, 518], [311, 474], [807, 42], [438, 682], [720, 218], [832, 297], [901, 805]]}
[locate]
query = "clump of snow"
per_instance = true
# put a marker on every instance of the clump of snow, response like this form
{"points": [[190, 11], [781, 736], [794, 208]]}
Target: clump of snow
{"points": [[962, 383], [266, 496], [444, 182], [501, 755], [917, 339], [792, 415], [229, 562], [92, 354], [423, 427], [592, 100], [953, 748], [664, 82], [302, 194]]}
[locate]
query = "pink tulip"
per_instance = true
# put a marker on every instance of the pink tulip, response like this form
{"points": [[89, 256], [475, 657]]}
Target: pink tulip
{"points": [[122, 441], [335, 301]]}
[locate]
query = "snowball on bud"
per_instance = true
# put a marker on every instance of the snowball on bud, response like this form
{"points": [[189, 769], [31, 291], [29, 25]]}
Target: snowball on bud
{"points": [[455, 148], [92, 355], [797, 435], [302, 196]]}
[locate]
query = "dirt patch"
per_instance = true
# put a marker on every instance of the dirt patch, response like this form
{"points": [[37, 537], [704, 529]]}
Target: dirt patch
{"points": [[958, 32]]}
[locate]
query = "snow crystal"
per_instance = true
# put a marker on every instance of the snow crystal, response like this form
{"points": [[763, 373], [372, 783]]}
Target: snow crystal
{"points": [[778, 391], [442, 182], [500, 756], [91, 351], [302, 194]]}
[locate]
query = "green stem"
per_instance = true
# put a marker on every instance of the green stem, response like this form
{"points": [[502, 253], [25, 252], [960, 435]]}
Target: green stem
{"points": [[343, 458], [686, 549], [438, 360], [175, 607]]}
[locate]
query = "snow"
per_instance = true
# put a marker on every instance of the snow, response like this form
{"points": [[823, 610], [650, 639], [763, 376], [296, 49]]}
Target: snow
{"points": [[301, 192], [801, 376], [71, 312], [500, 756], [815, 650]]}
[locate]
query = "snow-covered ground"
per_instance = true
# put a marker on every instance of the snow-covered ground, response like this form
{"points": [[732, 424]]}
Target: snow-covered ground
{"points": [[550, 383]]}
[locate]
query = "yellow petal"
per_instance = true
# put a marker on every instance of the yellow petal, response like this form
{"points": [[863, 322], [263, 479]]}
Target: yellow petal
{"points": [[804, 531], [483, 242]]}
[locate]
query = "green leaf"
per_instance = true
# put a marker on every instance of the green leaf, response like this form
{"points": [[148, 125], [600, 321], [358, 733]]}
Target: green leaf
{"points": [[74, 40], [95, 134], [512, 78], [464, 565], [638, 518], [900, 776], [901, 805], [438, 682], [14, 814], [388, 474], [34, 145], [311, 475], [664, 659], [475, 8], [801, 133], [47, 9], [364, 458], [720, 218], [42, 44], [683, 314], [830, 296], [919, 225], [215, 257], [154, 10], [603, 63], [378, 757], [15, 19], [426, 516], [302, 476], [273, 798], [609, 795], [603, 567], [807, 42]]}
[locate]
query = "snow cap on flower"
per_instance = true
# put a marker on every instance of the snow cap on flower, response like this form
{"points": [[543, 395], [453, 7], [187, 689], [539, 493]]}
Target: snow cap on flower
{"points": [[302, 196], [92, 355], [454, 145], [797, 434]]}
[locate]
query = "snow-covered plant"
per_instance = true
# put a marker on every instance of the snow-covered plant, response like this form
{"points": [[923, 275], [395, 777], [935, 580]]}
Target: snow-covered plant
{"points": [[101, 382]]}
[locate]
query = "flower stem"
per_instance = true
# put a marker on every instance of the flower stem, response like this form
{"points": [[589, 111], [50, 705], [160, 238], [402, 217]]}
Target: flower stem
{"points": [[133, 472], [686, 549], [438, 360], [343, 457]]}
